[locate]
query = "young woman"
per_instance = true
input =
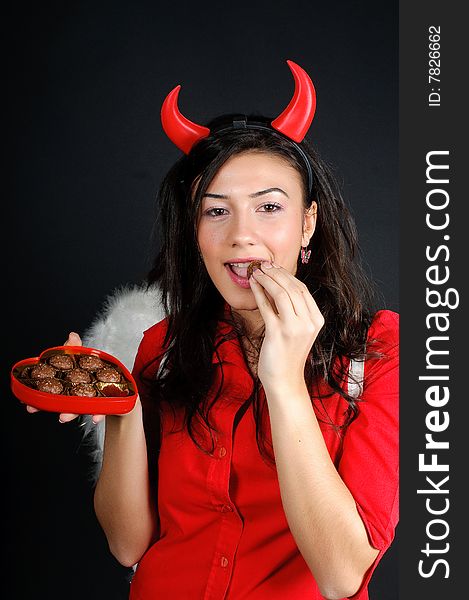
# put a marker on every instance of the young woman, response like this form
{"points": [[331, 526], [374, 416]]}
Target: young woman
{"points": [[261, 458]]}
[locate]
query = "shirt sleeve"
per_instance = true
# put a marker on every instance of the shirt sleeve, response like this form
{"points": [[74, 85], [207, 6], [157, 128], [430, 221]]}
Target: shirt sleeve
{"points": [[369, 464], [149, 354]]}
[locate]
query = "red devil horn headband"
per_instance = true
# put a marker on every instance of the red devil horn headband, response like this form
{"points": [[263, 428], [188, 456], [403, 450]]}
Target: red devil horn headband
{"points": [[293, 122]]}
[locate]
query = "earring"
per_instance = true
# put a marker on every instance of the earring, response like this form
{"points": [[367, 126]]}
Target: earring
{"points": [[305, 255]]}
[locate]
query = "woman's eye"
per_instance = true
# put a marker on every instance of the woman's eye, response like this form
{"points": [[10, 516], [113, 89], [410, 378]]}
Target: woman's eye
{"points": [[216, 212], [270, 207]]}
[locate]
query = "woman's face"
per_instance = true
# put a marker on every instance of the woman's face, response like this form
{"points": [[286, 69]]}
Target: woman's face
{"points": [[252, 210]]}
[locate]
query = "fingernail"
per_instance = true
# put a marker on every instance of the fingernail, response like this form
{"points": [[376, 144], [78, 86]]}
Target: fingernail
{"points": [[60, 421], [266, 265]]}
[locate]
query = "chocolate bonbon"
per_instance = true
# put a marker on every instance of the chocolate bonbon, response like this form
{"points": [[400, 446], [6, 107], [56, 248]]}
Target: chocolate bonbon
{"points": [[51, 385], [62, 361], [83, 389], [255, 264], [90, 362], [108, 375], [42, 371], [77, 375]]}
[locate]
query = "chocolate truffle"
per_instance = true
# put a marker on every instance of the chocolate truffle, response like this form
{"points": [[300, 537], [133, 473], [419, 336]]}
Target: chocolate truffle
{"points": [[62, 361], [83, 389], [255, 264], [25, 372], [108, 375], [79, 376], [42, 370], [90, 362], [50, 385]]}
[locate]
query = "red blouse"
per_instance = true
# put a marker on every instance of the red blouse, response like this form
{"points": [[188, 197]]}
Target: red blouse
{"points": [[223, 531]]}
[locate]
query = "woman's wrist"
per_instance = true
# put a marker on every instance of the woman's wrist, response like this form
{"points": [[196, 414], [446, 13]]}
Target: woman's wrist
{"points": [[286, 391], [120, 420]]}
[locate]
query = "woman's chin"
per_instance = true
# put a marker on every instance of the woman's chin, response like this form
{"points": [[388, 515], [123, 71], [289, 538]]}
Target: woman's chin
{"points": [[246, 302], [239, 306]]}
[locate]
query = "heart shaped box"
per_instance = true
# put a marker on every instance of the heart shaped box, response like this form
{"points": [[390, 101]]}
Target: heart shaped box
{"points": [[61, 403]]}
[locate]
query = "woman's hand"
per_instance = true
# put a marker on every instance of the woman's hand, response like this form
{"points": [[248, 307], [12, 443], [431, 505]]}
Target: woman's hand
{"points": [[73, 340], [292, 322]]}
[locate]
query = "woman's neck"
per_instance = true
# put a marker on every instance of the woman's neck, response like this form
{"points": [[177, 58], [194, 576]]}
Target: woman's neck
{"points": [[251, 322]]}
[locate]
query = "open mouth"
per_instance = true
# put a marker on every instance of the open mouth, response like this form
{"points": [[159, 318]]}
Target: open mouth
{"points": [[239, 272], [239, 269]]}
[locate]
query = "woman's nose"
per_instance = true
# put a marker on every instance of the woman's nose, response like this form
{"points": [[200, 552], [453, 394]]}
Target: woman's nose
{"points": [[242, 230]]}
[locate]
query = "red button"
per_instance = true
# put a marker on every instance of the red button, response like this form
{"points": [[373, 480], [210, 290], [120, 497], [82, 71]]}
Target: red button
{"points": [[222, 452], [224, 561]]}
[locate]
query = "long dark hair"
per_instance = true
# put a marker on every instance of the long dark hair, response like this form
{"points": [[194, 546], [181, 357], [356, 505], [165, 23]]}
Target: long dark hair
{"points": [[194, 307]]}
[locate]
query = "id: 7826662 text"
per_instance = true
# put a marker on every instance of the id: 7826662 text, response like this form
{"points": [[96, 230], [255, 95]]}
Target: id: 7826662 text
{"points": [[434, 65]]}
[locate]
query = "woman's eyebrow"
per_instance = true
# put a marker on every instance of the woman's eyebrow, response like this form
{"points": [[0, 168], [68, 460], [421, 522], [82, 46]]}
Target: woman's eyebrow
{"points": [[268, 191], [254, 195], [222, 196]]}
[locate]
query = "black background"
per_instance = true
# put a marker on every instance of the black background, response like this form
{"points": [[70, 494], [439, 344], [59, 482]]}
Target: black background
{"points": [[85, 82]]}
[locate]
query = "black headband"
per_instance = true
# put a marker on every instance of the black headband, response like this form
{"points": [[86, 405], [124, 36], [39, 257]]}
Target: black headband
{"points": [[242, 123]]}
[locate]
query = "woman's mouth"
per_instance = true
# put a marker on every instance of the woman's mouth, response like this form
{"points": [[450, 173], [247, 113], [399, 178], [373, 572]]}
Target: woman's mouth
{"points": [[238, 273], [240, 269]]}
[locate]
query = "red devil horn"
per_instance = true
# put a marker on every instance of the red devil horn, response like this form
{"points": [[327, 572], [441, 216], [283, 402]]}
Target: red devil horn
{"points": [[296, 119], [182, 132]]}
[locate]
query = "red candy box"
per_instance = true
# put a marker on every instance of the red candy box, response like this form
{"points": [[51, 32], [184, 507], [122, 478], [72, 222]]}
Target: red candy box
{"points": [[75, 379]]}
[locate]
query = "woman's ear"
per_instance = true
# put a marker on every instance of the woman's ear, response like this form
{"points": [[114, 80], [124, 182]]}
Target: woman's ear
{"points": [[309, 223]]}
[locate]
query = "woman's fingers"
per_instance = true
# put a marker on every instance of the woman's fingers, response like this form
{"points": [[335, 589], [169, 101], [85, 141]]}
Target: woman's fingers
{"points": [[312, 305], [73, 340], [67, 417], [277, 292], [287, 292], [263, 303]]}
